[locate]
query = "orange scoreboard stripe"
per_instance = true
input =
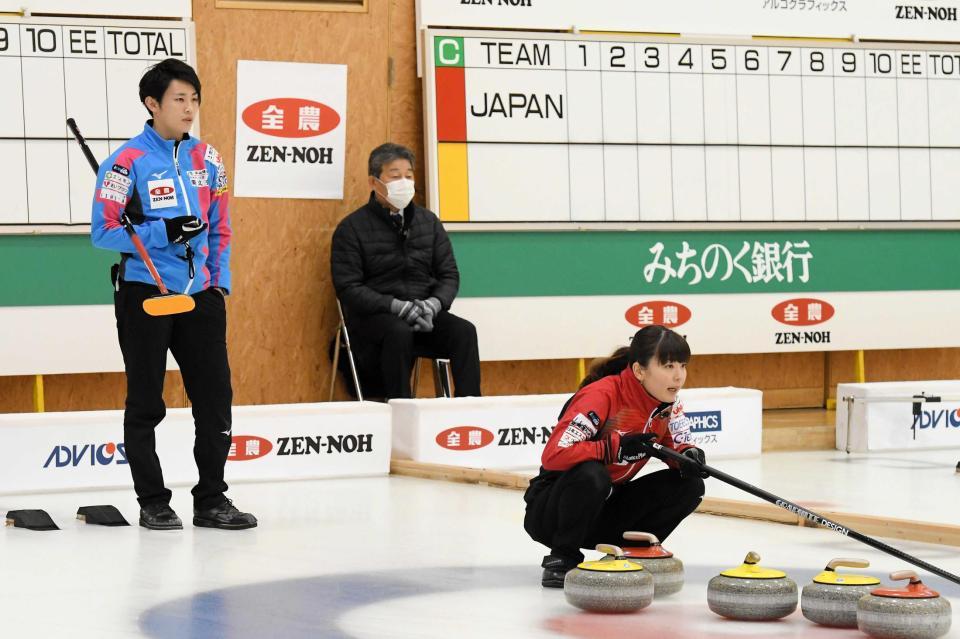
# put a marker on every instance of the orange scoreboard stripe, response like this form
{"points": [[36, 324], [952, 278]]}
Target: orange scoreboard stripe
{"points": [[453, 182]]}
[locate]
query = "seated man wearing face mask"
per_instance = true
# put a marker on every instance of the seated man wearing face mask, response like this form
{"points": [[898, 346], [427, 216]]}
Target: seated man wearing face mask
{"points": [[396, 277]]}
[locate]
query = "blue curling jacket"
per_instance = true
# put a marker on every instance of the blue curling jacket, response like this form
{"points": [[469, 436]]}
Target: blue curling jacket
{"points": [[149, 179]]}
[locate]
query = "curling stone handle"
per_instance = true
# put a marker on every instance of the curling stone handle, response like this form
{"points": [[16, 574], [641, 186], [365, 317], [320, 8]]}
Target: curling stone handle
{"points": [[905, 574], [642, 536], [610, 549], [850, 563], [752, 558]]}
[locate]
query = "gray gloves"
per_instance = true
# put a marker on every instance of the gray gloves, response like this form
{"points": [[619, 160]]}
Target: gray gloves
{"points": [[429, 309], [417, 313], [406, 310]]}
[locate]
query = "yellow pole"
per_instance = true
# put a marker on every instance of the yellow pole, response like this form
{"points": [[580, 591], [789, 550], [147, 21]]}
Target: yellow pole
{"points": [[581, 370], [38, 393], [860, 370]]}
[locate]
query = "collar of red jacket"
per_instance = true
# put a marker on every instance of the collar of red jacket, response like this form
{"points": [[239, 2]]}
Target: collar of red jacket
{"points": [[637, 395]]}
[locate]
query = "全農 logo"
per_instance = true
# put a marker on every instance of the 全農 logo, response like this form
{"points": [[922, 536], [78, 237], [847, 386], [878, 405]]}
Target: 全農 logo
{"points": [[464, 438], [290, 117], [802, 311], [247, 447], [659, 312]]}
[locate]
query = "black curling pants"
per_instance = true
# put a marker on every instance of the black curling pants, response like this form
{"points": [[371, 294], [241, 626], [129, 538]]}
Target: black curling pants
{"points": [[582, 507], [198, 341], [388, 345]]}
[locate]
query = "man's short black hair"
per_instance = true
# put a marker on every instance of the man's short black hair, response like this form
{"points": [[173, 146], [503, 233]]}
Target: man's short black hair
{"points": [[155, 81], [387, 153]]}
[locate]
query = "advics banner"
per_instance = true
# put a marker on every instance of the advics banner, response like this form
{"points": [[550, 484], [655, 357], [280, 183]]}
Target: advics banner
{"points": [[291, 130]]}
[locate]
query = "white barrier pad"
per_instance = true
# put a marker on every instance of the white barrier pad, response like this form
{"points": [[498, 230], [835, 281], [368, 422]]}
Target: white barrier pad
{"points": [[509, 432], [875, 425], [60, 451]]}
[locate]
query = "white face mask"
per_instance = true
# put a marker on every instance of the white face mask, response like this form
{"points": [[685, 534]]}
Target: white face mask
{"points": [[399, 192]]}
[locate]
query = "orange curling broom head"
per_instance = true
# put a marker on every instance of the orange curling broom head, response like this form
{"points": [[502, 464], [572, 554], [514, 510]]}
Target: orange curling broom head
{"points": [[169, 304]]}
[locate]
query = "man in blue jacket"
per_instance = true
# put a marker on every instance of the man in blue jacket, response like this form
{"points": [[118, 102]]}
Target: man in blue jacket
{"points": [[173, 188]]}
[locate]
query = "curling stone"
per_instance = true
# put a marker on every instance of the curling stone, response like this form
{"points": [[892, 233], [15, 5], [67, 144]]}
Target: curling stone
{"points": [[666, 570], [914, 612], [617, 585], [831, 600], [752, 593]]}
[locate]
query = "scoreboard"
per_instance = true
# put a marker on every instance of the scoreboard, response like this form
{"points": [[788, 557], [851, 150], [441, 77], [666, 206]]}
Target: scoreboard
{"points": [[87, 69], [541, 127]]}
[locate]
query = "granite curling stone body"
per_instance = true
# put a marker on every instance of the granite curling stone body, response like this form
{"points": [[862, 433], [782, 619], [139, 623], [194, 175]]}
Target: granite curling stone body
{"points": [[666, 570], [831, 599], [616, 585], [914, 612], [752, 593]]}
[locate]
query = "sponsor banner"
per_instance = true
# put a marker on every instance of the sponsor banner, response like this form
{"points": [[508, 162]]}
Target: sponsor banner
{"points": [[880, 19], [898, 425], [476, 432], [67, 451], [291, 130], [724, 422], [510, 432], [593, 326]]}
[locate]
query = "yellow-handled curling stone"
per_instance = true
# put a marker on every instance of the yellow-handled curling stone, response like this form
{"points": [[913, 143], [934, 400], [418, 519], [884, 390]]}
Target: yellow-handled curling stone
{"points": [[831, 599], [914, 612], [611, 585], [666, 570], [752, 593]]}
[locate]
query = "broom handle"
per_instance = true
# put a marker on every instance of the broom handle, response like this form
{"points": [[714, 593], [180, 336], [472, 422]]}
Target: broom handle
{"points": [[128, 227], [666, 453]]}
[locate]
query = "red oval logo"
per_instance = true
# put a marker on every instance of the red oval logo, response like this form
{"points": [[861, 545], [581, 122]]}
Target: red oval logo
{"points": [[661, 312], [247, 447], [464, 438], [802, 311], [291, 117], [161, 190]]}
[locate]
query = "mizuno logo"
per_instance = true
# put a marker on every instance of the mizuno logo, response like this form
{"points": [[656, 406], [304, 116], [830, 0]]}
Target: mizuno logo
{"points": [[159, 175]]}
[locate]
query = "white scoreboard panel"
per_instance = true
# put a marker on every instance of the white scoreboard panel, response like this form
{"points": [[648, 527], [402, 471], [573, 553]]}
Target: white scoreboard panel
{"points": [[51, 69], [566, 128]]}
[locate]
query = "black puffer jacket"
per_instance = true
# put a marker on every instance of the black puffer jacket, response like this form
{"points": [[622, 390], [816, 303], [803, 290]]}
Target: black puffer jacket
{"points": [[374, 261]]}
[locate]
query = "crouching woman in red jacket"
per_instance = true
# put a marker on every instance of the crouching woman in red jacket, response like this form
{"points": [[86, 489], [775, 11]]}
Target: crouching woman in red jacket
{"points": [[584, 494]]}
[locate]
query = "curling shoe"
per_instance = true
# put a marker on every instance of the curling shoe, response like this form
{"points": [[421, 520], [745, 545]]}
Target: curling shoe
{"points": [[225, 516], [555, 568], [159, 517]]}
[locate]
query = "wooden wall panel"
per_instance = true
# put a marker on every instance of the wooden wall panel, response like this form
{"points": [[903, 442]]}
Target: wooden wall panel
{"points": [[788, 380], [282, 315]]}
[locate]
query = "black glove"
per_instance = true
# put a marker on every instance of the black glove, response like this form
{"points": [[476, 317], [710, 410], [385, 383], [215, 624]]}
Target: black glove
{"points": [[180, 229], [635, 447], [693, 469]]}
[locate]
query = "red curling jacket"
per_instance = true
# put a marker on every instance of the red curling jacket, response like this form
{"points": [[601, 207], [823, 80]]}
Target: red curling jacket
{"points": [[600, 413]]}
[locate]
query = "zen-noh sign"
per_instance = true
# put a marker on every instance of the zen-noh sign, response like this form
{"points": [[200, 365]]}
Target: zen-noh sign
{"points": [[291, 130]]}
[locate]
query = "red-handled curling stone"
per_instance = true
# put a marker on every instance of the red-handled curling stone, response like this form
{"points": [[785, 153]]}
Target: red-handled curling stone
{"points": [[666, 570], [914, 612]]}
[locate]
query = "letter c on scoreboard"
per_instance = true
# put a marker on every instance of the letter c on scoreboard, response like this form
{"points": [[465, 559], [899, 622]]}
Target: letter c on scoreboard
{"points": [[449, 52]]}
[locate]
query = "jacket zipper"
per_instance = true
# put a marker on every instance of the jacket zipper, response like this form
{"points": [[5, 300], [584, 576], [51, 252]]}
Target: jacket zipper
{"points": [[186, 201]]}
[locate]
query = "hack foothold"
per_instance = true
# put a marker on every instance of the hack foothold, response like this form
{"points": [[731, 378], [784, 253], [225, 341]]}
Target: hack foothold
{"points": [[31, 520], [101, 516], [913, 612], [751, 592], [831, 599], [609, 585]]}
